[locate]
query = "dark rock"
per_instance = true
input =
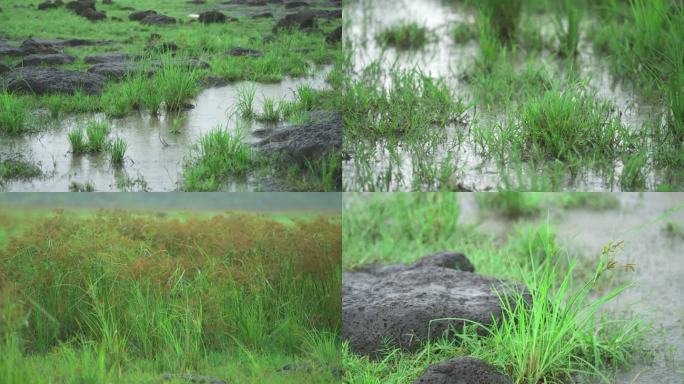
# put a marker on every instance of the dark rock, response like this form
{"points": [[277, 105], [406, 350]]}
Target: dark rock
{"points": [[308, 142], [127, 8], [157, 19], [328, 13], [50, 4], [107, 2], [303, 19], [111, 57], [196, 1], [86, 8], [262, 15], [296, 4], [51, 59], [4, 68], [253, 3], [212, 17], [58, 43], [334, 36], [48, 80], [462, 370], [237, 51], [121, 69], [34, 46], [398, 302], [9, 50], [139, 15]]}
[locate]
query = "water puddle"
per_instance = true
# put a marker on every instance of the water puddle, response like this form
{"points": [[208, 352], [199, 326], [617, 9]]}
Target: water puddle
{"points": [[658, 281], [157, 146], [462, 163]]}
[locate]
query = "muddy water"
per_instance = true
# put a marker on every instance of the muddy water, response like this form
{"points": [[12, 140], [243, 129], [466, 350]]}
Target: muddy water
{"points": [[370, 164], [157, 146], [656, 295]]}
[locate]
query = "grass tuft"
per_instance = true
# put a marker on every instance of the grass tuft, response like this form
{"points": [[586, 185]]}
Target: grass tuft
{"points": [[12, 113], [117, 151], [405, 36]]}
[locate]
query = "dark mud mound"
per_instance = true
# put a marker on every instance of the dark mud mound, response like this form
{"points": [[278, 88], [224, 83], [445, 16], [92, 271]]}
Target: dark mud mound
{"points": [[47, 59], [463, 370], [302, 20], [120, 69], [396, 303], [111, 57], [47, 80], [212, 17], [86, 8], [300, 144], [335, 36]]}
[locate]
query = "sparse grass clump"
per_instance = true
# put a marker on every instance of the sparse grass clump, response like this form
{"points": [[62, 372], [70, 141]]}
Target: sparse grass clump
{"points": [[405, 36], [75, 186], [270, 112], [77, 141], [117, 151], [502, 16], [245, 102], [12, 113], [220, 153], [96, 134], [568, 124]]}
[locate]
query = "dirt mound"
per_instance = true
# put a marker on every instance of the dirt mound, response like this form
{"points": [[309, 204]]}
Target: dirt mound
{"points": [[50, 59]]}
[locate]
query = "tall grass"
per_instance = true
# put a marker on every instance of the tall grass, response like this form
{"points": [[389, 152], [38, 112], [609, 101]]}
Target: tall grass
{"points": [[568, 27], [220, 153], [77, 141], [112, 289], [503, 16], [176, 86], [12, 113], [270, 112]]}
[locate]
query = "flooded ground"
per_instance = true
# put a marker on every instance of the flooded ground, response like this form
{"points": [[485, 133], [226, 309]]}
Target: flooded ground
{"points": [[658, 281], [157, 146], [458, 158]]}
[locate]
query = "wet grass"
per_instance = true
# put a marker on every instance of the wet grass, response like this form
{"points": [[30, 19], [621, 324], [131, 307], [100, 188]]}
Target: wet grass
{"points": [[230, 296], [562, 334], [176, 87], [531, 204], [270, 112], [117, 151], [405, 36], [245, 102], [13, 113], [539, 70], [96, 136], [220, 153]]}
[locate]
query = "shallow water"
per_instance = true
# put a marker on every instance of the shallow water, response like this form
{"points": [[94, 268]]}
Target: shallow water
{"points": [[155, 155], [658, 281], [369, 165]]}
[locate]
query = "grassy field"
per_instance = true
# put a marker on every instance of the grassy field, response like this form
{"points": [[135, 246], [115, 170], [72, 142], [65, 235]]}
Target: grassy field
{"points": [[567, 331], [551, 95], [120, 297]]}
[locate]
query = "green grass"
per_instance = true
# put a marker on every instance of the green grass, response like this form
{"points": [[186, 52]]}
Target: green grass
{"points": [[205, 42], [96, 136], [270, 112], [674, 229], [566, 330], [76, 186], [405, 36], [568, 28], [78, 141], [503, 17], [245, 102], [176, 86], [13, 113], [116, 297], [117, 151], [220, 153]]}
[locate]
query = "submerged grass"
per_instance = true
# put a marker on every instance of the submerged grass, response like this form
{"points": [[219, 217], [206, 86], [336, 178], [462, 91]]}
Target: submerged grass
{"points": [[405, 36], [117, 297], [117, 151], [17, 167]]}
